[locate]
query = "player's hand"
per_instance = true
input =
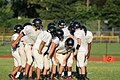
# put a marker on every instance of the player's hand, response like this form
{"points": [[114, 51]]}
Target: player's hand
{"points": [[13, 45], [87, 56]]}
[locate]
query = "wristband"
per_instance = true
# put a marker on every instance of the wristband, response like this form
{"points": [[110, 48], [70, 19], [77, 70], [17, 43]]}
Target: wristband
{"points": [[23, 33], [78, 46]]}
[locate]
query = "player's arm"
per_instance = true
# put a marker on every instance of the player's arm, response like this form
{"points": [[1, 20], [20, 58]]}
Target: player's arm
{"points": [[78, 46], [17, 40], [90, 38], [42, 44], [68, 54], [54, 56], [12, 41], [52, 49], [89, 49]]}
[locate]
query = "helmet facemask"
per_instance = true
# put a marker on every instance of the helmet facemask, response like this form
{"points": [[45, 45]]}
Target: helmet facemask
{"points": [[37, 23], [69, 43]]}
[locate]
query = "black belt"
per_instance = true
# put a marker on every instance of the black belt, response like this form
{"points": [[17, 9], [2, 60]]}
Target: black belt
{"points": [[63, 53], [22, 41]]}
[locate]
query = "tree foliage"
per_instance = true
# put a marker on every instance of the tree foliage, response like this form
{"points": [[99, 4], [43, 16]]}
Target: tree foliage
{"points": [[70, 10]]}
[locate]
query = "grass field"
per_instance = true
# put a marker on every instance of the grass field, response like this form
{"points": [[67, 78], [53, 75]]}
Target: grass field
{"points": [[96, 70], [98, 49]]}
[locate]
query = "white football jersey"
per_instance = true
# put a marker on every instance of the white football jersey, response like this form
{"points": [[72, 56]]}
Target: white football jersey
{"points": [[43, 36], [56, 40], [61, 49], [14, 37], [66, 32], [89, 36], [80, 34], [31, 34]]}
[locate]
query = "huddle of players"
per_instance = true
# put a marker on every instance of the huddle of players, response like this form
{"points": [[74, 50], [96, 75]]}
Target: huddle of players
{"points": [[45, 50]]}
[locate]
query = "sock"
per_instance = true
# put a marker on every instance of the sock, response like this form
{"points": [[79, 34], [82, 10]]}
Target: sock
{"points": [[17, 75], [54, 75], [62, 74], [59, 75], [69, 73], [44, 76], [23, 73], [48, 75], [79, 76], [86, 74], [83, 76]]}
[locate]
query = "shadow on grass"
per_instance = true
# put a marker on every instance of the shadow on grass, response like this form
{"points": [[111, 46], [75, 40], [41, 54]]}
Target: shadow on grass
{"points": [[74, 75]]}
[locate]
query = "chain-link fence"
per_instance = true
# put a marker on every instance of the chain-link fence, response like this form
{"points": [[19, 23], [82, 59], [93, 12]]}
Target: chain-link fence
{"points": [[106, 43]]}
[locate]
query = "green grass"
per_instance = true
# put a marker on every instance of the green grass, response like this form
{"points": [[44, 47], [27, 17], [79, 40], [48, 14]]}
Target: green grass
{"points": [[5, 50], [103, 71], [6, 66], [96, 70], [98, 49]]}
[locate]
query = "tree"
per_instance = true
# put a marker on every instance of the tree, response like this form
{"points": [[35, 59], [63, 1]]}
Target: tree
{"points": [[110, 12], [5, 12]]}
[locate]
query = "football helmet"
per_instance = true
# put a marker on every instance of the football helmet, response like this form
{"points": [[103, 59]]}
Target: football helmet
{"points": [[51, 29], [18, 28], [37, 23], [76, 25], [71, 28], [59, 33], [69, 43], [61, 23]]}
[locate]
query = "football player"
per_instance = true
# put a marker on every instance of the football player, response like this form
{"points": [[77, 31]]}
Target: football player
{"points": [[31, 32], [15, 53]]}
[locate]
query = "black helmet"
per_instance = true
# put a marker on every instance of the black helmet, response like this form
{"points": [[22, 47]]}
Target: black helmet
{"points": [[51, 24], [18, 28], [61, 23], [71, 25], [51, 29], [76, 25], [59, 33], [69, 43], [71, 28], [27, 23], [84, 28], [37, 23]]}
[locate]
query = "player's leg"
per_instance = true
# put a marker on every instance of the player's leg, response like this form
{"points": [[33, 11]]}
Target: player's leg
{"points": [[46, 66], [22, 58], [54, 69], [81, 63], [22, 55], [11, 75], [29, 59], [61, 58], [86, 61], [38, 62], [17, 63], [60, 71], [69, 65]]}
